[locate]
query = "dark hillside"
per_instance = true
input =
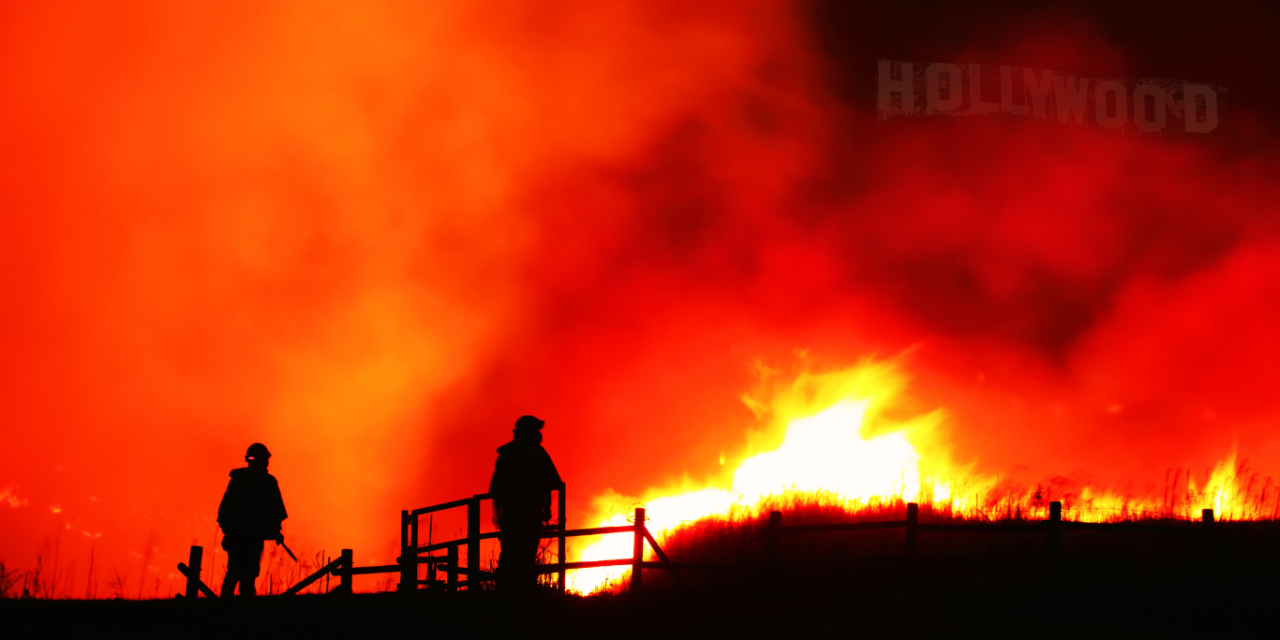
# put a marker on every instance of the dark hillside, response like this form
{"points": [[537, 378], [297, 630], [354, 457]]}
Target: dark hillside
{"points": [[935, 598]]}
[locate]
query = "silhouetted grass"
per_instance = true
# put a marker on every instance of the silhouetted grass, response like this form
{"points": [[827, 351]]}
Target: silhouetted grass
{"points": [[738, 539]]}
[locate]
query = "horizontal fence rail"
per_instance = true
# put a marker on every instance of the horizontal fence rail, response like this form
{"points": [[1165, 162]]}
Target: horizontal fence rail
{"points": [[411, 551], [307, 581]]}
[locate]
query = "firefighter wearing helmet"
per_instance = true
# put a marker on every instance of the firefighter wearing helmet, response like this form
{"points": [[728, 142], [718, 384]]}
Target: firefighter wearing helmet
{"points": [[250, 514], [523, 479]]}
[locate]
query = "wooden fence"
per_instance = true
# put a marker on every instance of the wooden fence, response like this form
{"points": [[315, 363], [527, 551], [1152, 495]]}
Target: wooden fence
{"points": [[413, 554], [412, 550]]}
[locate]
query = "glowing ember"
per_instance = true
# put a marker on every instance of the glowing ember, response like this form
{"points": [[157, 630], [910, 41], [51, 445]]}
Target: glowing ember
{"points": [[9, 497]]}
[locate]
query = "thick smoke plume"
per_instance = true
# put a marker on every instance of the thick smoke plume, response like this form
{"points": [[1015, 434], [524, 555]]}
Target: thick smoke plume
{"points": [[371, 236]]}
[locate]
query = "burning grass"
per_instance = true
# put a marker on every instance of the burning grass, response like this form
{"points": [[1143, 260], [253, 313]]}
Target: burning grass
{"points": [[848, 445], [738, 540]]}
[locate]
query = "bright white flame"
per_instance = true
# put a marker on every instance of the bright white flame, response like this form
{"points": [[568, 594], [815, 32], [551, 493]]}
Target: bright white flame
{"points": [[823, 452]]}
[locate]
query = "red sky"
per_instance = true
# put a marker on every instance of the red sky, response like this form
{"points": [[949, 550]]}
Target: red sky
{"points": [[371, 236]]}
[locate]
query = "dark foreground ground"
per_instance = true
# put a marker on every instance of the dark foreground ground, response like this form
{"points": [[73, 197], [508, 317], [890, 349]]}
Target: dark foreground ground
{"points": [[936, 598]]}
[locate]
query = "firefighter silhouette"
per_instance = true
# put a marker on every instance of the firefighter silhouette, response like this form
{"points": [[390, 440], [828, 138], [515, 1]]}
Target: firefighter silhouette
{"points": [[523, 479], [250, 514]]}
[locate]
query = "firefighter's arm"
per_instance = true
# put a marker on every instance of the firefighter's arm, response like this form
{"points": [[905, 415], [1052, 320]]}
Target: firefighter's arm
{"points": [[495, 486], [226, 508], [497, 512], [279, 515], [553, 484]]}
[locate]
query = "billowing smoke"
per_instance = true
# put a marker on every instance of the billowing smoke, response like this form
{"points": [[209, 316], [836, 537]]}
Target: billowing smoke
{"points": [[372, 236]]}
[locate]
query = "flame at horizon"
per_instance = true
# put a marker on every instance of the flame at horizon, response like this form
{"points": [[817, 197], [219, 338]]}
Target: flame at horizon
{"points": [[839, 449]]}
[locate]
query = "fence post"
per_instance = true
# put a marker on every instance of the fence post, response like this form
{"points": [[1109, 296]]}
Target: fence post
{"points": [[1207, 547], [408, 554], [193, 571], [909, 537], [473, 542], [637, 558], [413, 548], [1055, 529], [344, 573], [451, 576], [772, 533], [560, 548]]}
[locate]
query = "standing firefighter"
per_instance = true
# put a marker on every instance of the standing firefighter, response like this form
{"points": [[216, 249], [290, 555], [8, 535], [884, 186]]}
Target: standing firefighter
{"points": [[523, 479], [250, 514]]}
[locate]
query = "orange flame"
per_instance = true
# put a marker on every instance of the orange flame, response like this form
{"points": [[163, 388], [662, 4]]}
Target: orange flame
{"points": [[850, 438]]}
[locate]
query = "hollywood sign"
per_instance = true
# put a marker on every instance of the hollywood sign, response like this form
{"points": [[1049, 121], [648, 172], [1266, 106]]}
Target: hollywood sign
{"points": [[1149, 105]]}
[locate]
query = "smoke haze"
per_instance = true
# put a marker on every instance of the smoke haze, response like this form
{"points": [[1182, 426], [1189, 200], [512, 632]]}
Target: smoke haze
{"points": [[371, 236]]}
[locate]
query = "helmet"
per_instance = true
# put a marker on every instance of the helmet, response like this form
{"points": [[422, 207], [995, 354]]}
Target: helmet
{"points": [[529, 423], [257, 450]]}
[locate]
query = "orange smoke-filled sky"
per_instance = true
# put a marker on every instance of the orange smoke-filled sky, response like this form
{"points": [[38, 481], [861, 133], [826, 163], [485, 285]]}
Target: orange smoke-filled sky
{"points": [[372, 235]]}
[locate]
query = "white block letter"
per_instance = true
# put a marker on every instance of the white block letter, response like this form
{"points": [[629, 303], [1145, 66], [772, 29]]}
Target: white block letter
{"points": [[903, 86], [1110, 91], [1006, 94], [1039, 91], [1158, 97], [933, 88], [1193, 97], [1071, 97], [976, 105]]}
